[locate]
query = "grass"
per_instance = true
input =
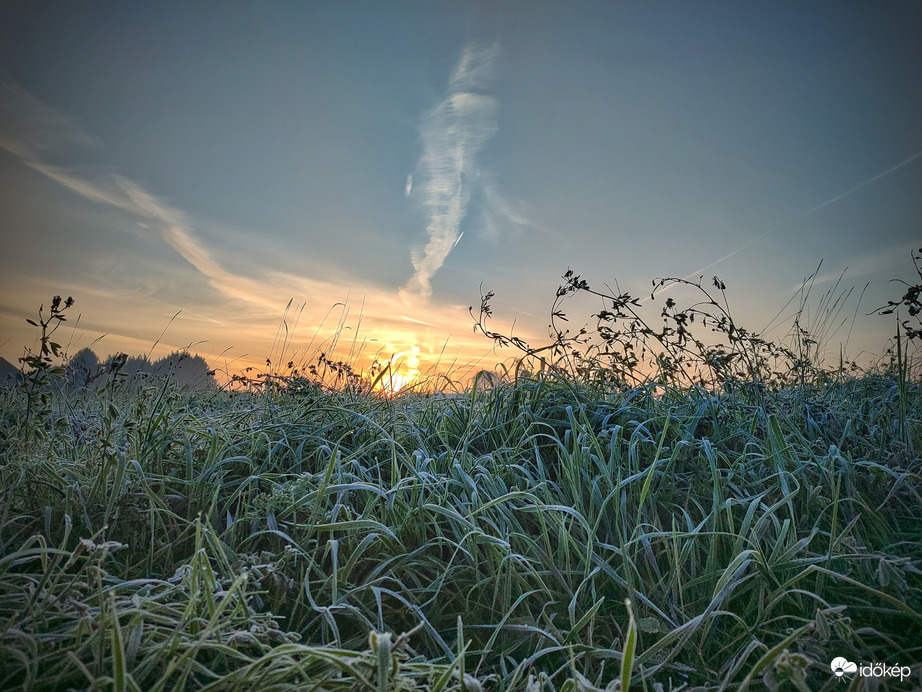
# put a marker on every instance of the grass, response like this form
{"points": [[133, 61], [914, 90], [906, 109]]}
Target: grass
{"points": [[539, 535], [547, 533]]}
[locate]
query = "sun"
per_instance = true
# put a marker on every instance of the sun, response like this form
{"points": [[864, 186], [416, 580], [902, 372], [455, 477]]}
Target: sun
{"points": [[402, 371]]}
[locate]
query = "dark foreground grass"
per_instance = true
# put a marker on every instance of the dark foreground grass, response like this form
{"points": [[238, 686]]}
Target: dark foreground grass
{"points": [[537, 536]]}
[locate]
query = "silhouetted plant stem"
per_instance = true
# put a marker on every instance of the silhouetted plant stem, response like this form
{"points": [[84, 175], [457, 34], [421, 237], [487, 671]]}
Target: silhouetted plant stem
{"points": [[39, 368]]}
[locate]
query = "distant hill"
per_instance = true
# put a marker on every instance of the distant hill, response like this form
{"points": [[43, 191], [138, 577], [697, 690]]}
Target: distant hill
{"points": [[9, 373]]}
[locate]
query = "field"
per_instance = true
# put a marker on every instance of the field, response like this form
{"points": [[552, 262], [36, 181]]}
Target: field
{"points": [[545, 533]]}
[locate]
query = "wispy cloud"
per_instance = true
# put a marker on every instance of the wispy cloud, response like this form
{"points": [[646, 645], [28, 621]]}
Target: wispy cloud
{"points": [[500, 216], [32, 131], [28, 126], [453, 135], [171, 224]]}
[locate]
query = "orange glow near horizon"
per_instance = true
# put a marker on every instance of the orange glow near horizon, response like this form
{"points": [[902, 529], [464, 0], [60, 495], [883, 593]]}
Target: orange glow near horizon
{"points": [[402, 371]]}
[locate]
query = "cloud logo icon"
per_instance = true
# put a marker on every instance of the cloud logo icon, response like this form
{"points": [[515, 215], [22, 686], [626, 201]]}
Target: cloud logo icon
{"points": [[840, 666]]}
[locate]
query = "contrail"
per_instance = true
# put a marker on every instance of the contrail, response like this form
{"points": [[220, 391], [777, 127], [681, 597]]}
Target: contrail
{"points": [[412, 319], [742, 247], [815, 209], [453, 135], [865, 183]]}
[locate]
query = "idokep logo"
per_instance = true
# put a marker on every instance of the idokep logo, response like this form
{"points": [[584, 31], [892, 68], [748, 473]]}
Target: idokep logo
{"points": [[841, 667]]}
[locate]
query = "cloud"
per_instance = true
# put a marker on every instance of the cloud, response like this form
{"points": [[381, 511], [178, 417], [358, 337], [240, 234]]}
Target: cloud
{"points": [[28, 126], [171, 224], [452, 135], [499, 216], [32, 131]]}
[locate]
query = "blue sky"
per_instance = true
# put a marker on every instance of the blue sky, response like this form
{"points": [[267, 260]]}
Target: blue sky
{"points": [[224, 158]]}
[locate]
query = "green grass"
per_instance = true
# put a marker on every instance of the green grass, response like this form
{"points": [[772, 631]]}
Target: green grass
{"points": [[541, 535]]}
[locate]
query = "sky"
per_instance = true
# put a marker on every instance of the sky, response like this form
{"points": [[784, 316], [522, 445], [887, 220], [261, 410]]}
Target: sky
{"points": [[262, 179]]}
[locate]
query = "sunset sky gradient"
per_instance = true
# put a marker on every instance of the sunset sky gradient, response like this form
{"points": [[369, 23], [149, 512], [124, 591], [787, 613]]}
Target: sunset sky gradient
{"points": [[375, 163]]}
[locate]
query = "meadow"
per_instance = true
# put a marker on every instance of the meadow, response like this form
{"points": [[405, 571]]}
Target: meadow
{"points": [[564, 527]]}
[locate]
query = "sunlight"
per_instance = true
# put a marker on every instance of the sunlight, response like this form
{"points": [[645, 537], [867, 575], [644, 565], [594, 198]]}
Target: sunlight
{"points": [[403, 371]]}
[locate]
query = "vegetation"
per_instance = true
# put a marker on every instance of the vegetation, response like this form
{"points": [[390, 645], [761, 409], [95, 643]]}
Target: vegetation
{"points": [[735, 517]]}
